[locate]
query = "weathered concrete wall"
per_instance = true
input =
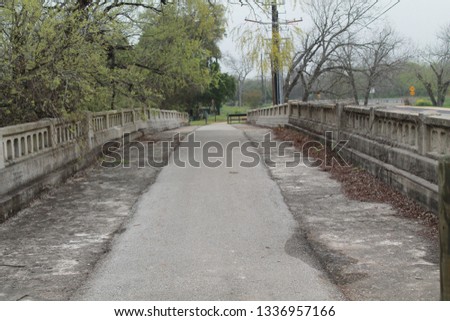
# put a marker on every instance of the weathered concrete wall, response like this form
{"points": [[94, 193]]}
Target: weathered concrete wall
{"points": [[401, 148], [36, 155], [269, 116]]}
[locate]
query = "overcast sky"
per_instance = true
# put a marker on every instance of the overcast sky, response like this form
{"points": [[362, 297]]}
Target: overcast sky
{"points": [[416, 20]]}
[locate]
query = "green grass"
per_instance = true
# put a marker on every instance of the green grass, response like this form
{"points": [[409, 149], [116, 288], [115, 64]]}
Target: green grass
{"points": [[233, 110], [425, 102], [201, 122], [225, 110]]}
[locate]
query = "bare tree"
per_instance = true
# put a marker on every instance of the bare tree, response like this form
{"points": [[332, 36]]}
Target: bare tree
{"points": [[438, 59], [346, 57], [367, 62], [334, 23], [240, 68]]}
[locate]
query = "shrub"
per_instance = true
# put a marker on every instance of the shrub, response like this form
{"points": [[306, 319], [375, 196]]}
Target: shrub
{"points": [[253, 98], [423, 102]]}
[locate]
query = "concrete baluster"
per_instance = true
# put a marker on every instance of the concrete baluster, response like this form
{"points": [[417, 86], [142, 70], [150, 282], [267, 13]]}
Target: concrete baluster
{"points": [[122, 118], [2, 152], [52, 136], [88, 124], [321, 114], [340, 120], [372, 122], [424, 139]]}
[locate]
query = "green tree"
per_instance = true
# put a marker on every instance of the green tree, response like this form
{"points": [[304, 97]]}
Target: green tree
{"points": [[222, 88], [176, 49], [51, 61], [59, 57]]}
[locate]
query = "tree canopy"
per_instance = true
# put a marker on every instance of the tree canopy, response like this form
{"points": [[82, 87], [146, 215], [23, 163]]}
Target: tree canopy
{"points": [[61, 57]]}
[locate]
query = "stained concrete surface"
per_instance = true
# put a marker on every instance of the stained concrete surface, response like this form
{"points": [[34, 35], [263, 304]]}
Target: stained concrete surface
{"points": [[369, 250], [48, 249]]}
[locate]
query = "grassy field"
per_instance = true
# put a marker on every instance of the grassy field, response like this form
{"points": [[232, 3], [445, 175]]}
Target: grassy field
{"points": [[446, 104], [226, 110]]}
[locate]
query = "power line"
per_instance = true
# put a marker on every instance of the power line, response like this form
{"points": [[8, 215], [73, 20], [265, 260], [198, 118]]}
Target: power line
{"points": [[379, 16]]}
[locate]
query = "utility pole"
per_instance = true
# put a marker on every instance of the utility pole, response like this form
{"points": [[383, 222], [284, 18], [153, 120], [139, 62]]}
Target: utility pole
{"points": [[276, 84], [263, 86], [275, 59]]}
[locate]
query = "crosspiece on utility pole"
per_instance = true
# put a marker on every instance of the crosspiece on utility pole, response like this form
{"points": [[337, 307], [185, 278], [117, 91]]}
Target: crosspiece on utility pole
{"points": [[444, 220]]}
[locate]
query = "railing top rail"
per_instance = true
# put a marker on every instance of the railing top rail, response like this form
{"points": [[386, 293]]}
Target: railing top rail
{"points": [[7, 130], [397, 114], [437, 120], [325, 106], [357, 109], [21, 128]]}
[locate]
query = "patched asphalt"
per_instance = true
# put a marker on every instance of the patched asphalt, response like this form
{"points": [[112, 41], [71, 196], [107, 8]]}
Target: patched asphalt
{"points": [[209, 234]]}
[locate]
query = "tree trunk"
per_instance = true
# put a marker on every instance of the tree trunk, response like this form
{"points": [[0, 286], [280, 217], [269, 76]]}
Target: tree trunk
{"points": [[442, 92], [112, 66], [240, 93], [306, 88], [289, 85], [354, 90], [355, 97], [428, 88], [366, 100], [305, 96], [367, 96], [444, 220], [368, 88]]}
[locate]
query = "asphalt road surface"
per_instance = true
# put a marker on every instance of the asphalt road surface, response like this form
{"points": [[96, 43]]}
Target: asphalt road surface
{"points": [[209, 234]]}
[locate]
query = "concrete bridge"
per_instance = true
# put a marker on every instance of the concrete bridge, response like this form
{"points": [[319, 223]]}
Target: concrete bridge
{"points": [[44, 153], [215, 232], [399, 145]]}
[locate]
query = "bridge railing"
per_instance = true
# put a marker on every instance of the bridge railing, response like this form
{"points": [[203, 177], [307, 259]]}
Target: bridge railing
{"points": [[401, 147], [24, 141], [426, 133], [19, 142]]}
